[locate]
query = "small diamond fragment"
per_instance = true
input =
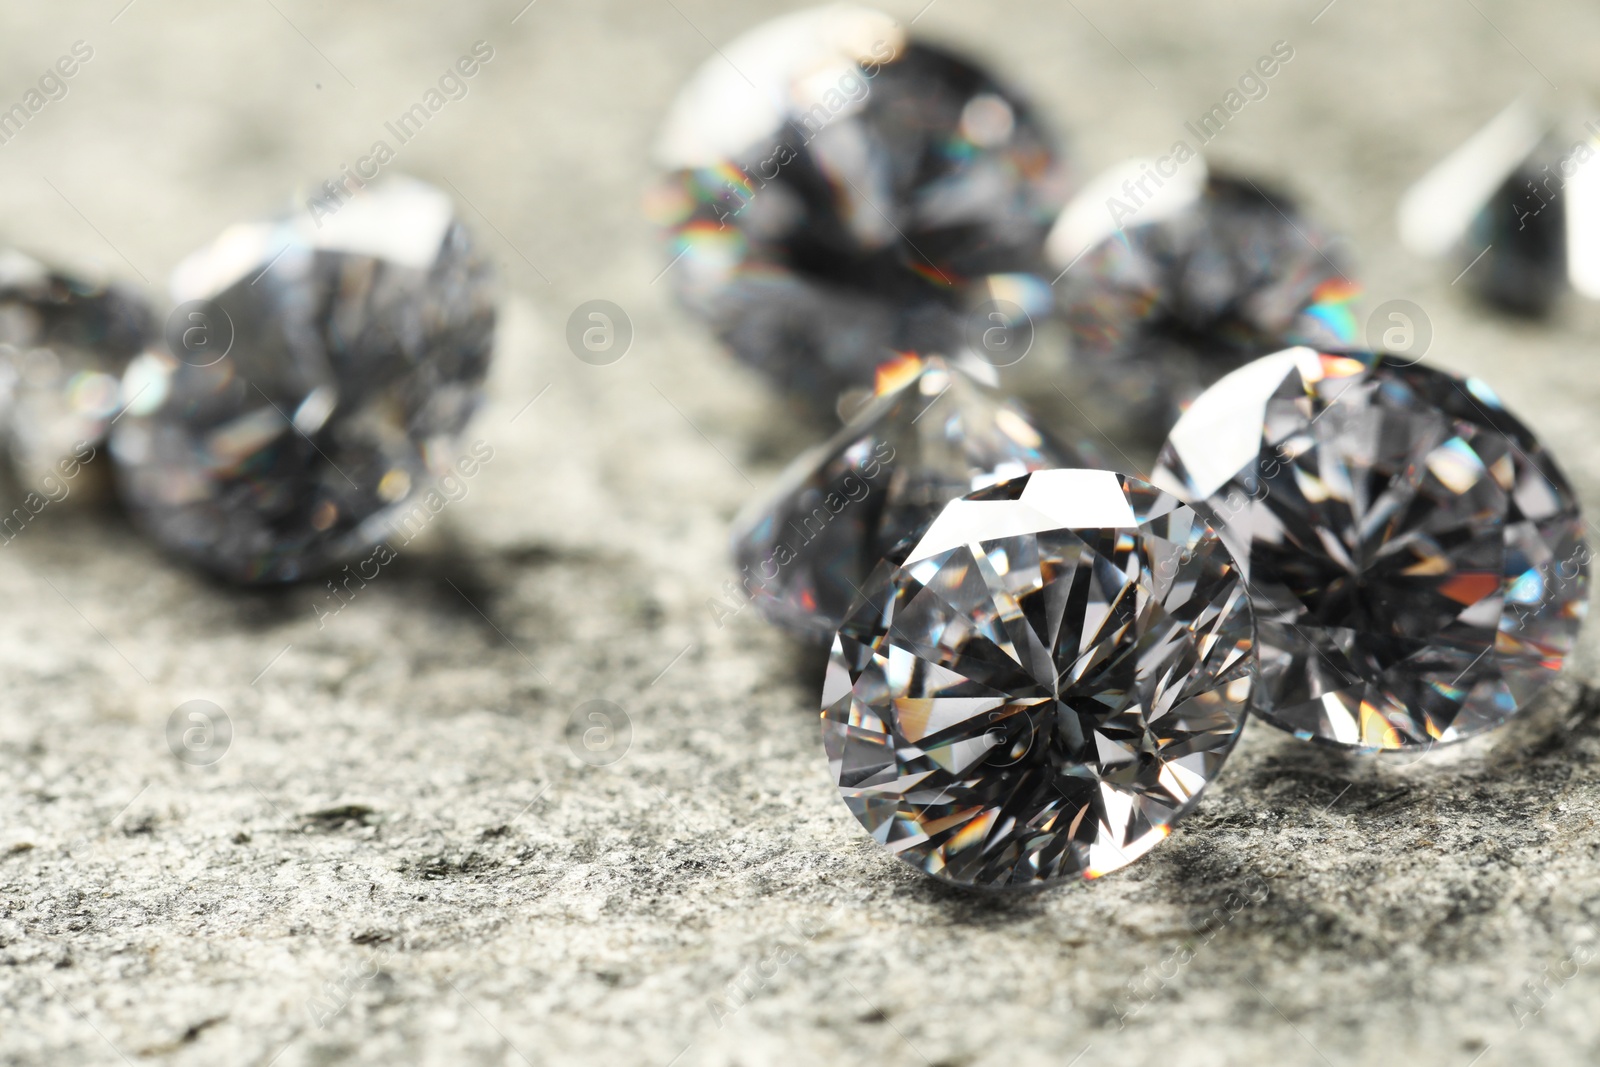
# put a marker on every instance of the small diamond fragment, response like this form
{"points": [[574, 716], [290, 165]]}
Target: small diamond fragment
{"points": [[1043, 684], [805, 548], [1416, 559], [359, 346]]}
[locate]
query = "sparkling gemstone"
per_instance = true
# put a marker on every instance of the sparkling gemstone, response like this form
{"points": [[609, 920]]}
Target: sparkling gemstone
{"points": [[1209, 273], [933, 435], [357, 346], [1416, 559], [64, 342], [838, 192], [1516, 208], [1042, 684]]}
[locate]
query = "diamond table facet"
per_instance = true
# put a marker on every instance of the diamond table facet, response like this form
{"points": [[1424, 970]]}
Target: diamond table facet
{"points": [[805, 548], [1043, 683], [1416, 559]]}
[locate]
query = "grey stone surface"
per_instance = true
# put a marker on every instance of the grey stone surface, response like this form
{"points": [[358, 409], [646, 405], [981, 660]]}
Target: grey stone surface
{"points": [[401, 859]]}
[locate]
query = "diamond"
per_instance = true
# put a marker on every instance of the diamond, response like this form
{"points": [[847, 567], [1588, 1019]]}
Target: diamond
{"points": [[1517, 245], [1416, 559], [359, 347], [805, 548], [1211, 273], [1043, 684], [64, 342], [838, 192], [1517, 206]]}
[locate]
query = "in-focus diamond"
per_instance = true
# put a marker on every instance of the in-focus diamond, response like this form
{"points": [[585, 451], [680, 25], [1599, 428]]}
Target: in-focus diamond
{"points": [[1416, 558], [358, 348], [1206, 275], [866, 194], [1043, 684], [64, 342], [805, 548]]}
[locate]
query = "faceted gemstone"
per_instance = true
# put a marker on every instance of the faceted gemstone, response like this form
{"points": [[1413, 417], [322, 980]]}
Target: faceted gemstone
{"points": [[64, 342], [1043, 683], [1416, 559], [357, 350], [1213, 273], [933, 435], [838, 192], [1519, 242], [1516, 208]]}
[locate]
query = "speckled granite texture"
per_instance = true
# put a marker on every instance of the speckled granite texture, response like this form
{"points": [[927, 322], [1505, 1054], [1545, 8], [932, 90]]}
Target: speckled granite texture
{"points": [[400, 858]]}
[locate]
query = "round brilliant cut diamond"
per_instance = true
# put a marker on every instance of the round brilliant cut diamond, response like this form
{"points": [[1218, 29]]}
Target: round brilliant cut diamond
{"points": [[1043, 683], [1416, 559]]}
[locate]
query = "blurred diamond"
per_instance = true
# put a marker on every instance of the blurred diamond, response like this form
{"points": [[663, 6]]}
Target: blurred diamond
{"points": [[1517, 208], [358, 346], [1516, 248], [805, 548], [838, 193], [1416, 559], [1196, 279], [64, 342], [1044, 684]]}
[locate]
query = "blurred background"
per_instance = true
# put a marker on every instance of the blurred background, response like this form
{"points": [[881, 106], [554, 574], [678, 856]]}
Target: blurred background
{"points": [[408, 850]]}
